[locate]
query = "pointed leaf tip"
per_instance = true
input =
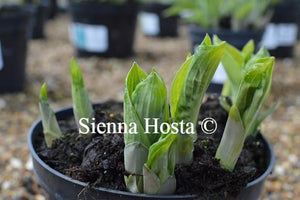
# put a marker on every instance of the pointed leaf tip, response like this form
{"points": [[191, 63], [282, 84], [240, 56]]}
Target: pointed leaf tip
{"points": [[43, 93], [76, 73], [206, 40]]}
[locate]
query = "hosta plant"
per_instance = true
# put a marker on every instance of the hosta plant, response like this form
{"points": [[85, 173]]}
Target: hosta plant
{"points": [[150, 157], [216, 14], [248, 86], [159, 133], [82, 106]]}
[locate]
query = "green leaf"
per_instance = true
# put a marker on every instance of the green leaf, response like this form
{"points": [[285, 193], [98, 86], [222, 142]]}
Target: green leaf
{"points": [[233, 61], [134, 183], [188, 89], [248, 50], [262, 53], [224, 103], [159, 170], [150, 101], [211, 13], [253, 91], [177, 84], [227, 89], [145, 97], [135, 76], [232, 141], [51, 128], [264, 115], [82, 107]]}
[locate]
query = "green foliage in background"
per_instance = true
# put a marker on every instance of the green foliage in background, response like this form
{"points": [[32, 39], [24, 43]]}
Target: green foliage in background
{"points": [[104, 1], [168, 2], [241, 14]]}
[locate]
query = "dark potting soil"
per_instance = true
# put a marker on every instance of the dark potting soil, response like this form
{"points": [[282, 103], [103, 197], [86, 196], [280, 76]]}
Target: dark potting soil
{"points": [[98, 160]]}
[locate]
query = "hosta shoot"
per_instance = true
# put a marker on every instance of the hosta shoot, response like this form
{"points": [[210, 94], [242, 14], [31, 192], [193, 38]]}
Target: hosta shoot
{"points": [[188, 89], [51, 128], [244, 116], [150, 158], [236, 63], [82, 107], [145, 97]]}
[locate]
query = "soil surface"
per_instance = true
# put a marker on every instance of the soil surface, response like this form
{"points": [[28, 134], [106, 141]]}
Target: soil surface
{"points": [[98, 160]]}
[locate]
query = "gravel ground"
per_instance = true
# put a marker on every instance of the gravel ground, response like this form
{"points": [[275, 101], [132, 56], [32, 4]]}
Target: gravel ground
{"points": [[48, 62]]}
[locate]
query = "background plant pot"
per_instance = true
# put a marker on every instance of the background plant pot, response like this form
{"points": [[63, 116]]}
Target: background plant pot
{"points": [[14, 23], [40, 15], [237, 39], [59, 186], [282, 32], [53, 9], [103, 29], [154, 23]]}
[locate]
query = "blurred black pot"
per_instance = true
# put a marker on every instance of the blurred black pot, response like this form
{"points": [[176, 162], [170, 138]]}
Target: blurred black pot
{"points": [[281, 33], [40, 15], [105, 30], [53, 9], [155, 23], [14, 23], [237, 39], [62, 187]]}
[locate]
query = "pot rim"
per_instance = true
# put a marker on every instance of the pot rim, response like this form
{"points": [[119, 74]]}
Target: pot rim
{"points": [[195, 28], [57, 173]]}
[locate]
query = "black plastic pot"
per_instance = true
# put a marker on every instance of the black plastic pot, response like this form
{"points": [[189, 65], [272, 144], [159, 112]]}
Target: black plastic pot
{"points": [[155, 23], [14, 22], [237, 39], [104, 30], [282, 32], [61, 187], [40, 15], [53, 9]]}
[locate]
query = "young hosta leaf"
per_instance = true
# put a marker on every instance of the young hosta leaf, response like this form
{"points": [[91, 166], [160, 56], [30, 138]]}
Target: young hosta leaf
{"points": [[51, 128], [158, 172], [150, 101], [253, 91], [134, 77], [232, 141], [145, 97], [224, 103], [82, 107], [227, 89], [188, 89], [263, 116], [262, 53], [233, 62], [248, 50]]}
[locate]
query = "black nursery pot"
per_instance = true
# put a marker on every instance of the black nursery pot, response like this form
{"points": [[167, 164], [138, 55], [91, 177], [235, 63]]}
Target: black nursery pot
{"points": [[14, 22], [104, 30], [282, 32], [53, 9], [155, 23], [62, 187], [40, 15], [237, 39]]}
